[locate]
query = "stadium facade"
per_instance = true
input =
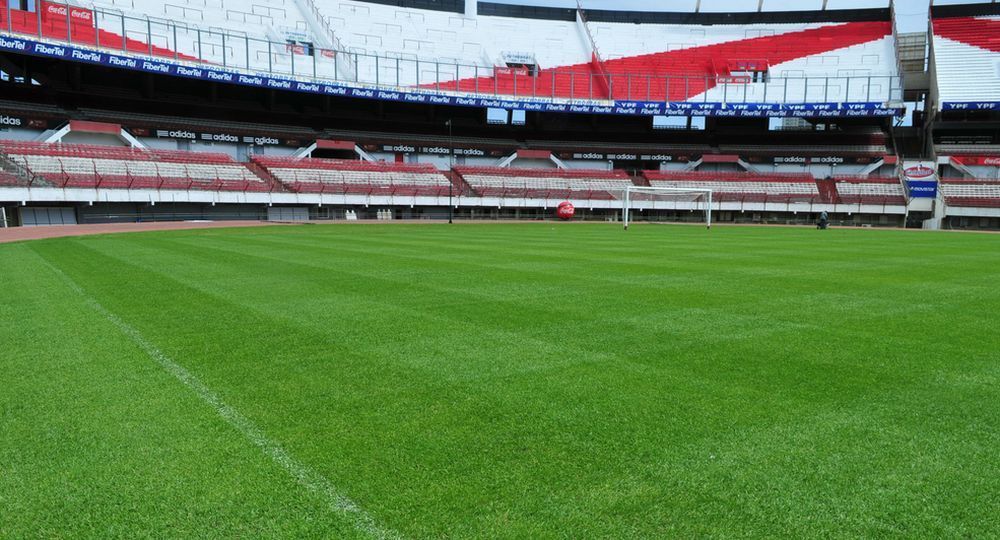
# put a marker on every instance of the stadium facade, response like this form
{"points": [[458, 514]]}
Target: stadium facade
{"points": [[245, 109]]}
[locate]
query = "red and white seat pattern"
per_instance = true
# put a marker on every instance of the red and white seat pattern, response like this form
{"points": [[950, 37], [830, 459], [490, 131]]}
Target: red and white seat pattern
{"points": [[545, 183], [309, 175], [91, 166], [975, 193], [870, 190], [966, 56], [741, 186]]}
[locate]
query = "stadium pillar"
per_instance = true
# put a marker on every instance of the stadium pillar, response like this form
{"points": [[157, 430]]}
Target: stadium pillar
{"points": [[451, 169]]}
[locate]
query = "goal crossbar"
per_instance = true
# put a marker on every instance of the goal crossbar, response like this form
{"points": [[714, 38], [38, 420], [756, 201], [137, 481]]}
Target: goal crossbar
{"points": [[631, 193]]}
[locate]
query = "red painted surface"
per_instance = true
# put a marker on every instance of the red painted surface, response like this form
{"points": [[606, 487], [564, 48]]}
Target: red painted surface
{"points": [[698, 64], [719, 158], [524, 153], [86, 126], [325, 144], [78, 27], [989, 161], [982, 33]]}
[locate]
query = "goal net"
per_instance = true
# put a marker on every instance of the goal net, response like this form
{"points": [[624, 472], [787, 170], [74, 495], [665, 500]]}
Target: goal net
{"points": [[641, 202]]}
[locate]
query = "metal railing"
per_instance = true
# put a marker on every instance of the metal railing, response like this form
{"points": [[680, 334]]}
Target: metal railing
{"points": [[167, 39]]}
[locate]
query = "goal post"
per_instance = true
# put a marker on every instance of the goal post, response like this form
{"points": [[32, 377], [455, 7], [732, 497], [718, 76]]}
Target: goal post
{"points": [[666, 198]]}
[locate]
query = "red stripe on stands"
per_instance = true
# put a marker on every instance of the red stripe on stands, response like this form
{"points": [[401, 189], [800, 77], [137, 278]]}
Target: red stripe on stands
{"points": [[982, 33], [80, 30], [697, 63]]}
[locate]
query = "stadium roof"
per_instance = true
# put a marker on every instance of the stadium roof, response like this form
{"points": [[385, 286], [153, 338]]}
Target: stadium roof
{"points": [[911, 14]]}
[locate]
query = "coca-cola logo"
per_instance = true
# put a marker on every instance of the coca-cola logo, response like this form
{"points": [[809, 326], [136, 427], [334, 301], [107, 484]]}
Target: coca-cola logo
{"points": [[992, 161], [565, 210], [919, 172], [76, 13]]}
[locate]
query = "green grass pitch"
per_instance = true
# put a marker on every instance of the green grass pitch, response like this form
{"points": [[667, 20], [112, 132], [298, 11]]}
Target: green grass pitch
{"points": [[501, 381]]}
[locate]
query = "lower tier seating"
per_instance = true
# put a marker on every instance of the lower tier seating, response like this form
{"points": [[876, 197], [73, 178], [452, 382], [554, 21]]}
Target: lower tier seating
{"points": [[356, 177], [741, 186], [870, 190], [978, 193], [87, 166], [545, 183]]}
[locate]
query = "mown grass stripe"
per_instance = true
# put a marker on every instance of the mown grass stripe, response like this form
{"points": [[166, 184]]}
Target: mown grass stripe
{"points": [[304, 475]]}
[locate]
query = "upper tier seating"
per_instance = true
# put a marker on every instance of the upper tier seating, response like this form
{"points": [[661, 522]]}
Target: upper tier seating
{"points": [[78, 26], [976, 193], [741, 186], [694, 59], [396, 46], [356, 177], [511, 182], [966, 55], [967, 149], [870, 190], [91, 166]]}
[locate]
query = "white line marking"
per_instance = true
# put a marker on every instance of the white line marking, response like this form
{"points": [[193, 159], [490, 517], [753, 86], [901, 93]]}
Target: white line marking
{"points": [[306, 477]]}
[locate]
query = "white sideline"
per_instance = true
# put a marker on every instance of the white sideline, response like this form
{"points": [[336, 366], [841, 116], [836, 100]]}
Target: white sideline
{"points": [[306, 477]]}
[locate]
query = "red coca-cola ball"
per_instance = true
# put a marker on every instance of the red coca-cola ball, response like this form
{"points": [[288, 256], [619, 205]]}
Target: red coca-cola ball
{"points": [[565, 210]]}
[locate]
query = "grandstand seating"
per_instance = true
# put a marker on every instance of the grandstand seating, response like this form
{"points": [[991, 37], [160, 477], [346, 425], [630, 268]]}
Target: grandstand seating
{"points": [[967, 149], [966, 54], [90, 166], [975, 193], [356, 177], [545, 183], [742, 186], [436, 49], [78, 25], [869, 190], [10, 180], [695, 70]]}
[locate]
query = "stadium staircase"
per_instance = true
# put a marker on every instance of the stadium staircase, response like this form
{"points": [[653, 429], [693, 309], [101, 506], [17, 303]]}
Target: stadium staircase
{"points": [[828, 191], [266, 176], [460, 185], [639, 180]]}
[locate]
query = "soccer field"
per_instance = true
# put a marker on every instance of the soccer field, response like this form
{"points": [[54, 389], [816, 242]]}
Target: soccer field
{"points": [[501, 381]]}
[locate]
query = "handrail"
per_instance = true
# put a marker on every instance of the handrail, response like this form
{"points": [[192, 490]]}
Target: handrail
{"points": [[260, 56]]}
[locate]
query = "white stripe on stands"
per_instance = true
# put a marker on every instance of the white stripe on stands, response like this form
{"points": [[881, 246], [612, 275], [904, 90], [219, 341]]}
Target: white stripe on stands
{"points": [[305, 476]]}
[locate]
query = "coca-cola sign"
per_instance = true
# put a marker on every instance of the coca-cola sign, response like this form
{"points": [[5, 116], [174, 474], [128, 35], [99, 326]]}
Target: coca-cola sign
{"points": [[76, 14]]}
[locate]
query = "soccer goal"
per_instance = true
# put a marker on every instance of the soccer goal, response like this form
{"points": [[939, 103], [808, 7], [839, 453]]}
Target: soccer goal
{"points": [[642, 198]]}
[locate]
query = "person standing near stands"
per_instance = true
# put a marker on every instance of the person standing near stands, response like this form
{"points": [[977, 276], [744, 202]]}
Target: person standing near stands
{"points": [[824, 220]]}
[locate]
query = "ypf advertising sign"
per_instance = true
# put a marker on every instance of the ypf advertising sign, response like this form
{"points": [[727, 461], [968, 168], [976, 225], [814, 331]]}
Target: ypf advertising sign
{"points": [[921, 179]]}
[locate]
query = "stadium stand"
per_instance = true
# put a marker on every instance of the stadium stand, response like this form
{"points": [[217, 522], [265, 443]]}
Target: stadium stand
{"points": [[550, 53], [58, 21], [545, 183], [719, 68], [92, 166], [974, 193], [742, 187], [356, 177], [966, 55], [869, 190]]}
